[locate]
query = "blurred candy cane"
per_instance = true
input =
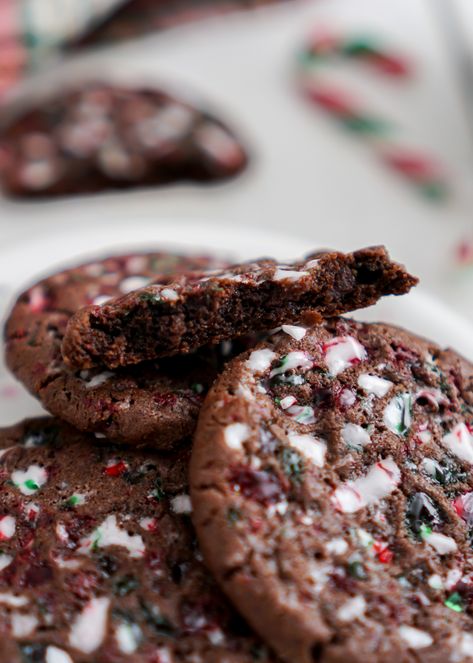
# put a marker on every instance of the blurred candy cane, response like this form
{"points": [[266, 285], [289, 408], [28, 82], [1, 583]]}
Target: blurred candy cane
{"points": [[31, 28], [417, 168]]}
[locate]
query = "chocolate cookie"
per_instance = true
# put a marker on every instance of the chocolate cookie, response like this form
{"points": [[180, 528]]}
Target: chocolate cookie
{"points": [[154, 400], [100, 137], [98, 557], [177, 318], [141, 16], [333, 494]]}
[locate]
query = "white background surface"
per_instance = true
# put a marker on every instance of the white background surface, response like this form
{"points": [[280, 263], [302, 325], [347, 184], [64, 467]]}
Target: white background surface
{"points": [[308, 178]]}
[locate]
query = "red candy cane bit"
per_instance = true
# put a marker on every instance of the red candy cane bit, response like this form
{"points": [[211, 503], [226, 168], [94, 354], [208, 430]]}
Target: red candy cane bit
{"points": [[333, 100], [116, 469]]}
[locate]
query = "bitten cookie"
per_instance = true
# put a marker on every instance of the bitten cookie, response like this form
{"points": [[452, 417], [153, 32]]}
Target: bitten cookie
{"points": [[156, 401], [102, 136], [98, 557], [333, 494], [178, 318]]}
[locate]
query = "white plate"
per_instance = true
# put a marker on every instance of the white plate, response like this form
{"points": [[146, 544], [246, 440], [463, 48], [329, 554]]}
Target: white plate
{"points": [[21, 264]]}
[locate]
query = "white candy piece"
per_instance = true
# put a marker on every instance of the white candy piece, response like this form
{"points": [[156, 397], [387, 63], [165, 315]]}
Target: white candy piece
{"points": [[460, 442], [30, 480], [133, 283], [312, 448], [343, 352], [12, 600], [260, 360], [287, 402], [23, 625], [284, 274], [336, 546], [98, 380], [110, 534], [380, 481], [169, 294], [462, 645], [295, 359], [415, 638], [352, 609], [128, 637], [5, 560], [442, 544], [89, 628], [56, 655], [375, 385], [7, 527], [397, 414], [355, 437], [296, 332], [181, 504], [236, 434]]}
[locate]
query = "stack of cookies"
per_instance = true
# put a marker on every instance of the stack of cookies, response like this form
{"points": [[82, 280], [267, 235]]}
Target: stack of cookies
{"points": [[233, 473]]}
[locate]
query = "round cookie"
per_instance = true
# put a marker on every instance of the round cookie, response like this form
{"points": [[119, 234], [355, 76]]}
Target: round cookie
{"points": [[100, 136], [98, 557], [333, 494], [158, 400]]}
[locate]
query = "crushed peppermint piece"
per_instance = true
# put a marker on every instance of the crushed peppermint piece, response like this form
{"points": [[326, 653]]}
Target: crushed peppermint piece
{"points": [[286, 402], [7, 527], [128, 637], [169, 294], [56, 655], [282, 273], [235, 434], [353, 609], [443, 545], [31, 480], [133, 283], [98, 380], [398, 414], [295, 331], [89, 628], [181, 504], [336, 546], [293, 360], [12, 600], [5, 560], [375, 385], [460, 442], [303, 414], [355, 437], [380, 481], [260, 360], [343, 352], [312, 448], [110, 534], [415, 638], [23, 625]]}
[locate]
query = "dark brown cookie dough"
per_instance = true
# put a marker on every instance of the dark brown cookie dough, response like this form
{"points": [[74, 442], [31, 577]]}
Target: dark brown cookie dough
{"points": [[103, 137], [156, 400], [333, 494], [194, 310], [98, 558]]}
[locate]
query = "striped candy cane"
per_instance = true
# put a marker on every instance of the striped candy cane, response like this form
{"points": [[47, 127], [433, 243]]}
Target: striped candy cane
{"points": [[417, 168]]}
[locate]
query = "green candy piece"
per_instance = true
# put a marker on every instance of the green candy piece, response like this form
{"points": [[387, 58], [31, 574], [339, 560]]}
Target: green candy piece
{"points": [[454, 602], [366, 125]]}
